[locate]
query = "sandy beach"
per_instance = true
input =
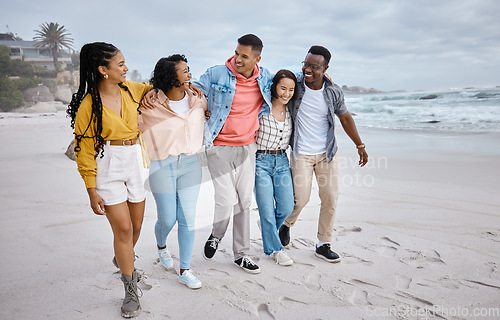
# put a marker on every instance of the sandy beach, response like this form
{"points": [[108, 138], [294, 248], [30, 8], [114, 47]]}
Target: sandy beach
{"points": [[418, 230]]}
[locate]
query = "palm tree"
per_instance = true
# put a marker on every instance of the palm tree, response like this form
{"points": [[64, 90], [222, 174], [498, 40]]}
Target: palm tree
{"points": [[55, 37]]}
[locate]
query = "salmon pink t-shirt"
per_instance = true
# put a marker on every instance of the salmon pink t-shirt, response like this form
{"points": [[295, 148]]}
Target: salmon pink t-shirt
{"points": [[242, 122]]}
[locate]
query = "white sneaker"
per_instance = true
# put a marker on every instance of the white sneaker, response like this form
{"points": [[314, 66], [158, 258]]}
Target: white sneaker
{"points": [[165, 259], [190, 280], [282, 258]]}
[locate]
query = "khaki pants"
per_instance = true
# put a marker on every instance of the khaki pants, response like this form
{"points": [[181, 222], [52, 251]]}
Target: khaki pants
{"points": [[328, 183], [233, 176]]}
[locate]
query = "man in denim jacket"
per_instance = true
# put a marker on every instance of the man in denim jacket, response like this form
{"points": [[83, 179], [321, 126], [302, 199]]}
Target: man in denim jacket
{"points": [[238, 93]]}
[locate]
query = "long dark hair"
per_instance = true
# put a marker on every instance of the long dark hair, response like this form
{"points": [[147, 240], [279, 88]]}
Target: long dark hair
{"points": [[92, 56]]}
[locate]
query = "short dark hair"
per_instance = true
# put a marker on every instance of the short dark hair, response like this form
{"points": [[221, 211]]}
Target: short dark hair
{"points": [[251, 40], [283, 73], [322, 51], [164, 76]]}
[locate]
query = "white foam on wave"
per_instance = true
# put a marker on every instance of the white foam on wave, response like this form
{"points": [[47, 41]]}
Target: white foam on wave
{"points": [[474, 110]]}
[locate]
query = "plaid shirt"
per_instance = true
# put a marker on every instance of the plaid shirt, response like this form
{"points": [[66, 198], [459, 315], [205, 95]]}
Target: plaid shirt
{"points": [[270, 136]]}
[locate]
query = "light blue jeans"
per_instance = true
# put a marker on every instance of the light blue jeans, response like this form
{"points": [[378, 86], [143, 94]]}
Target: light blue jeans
{"points": [[274, 196], [175, 184]]}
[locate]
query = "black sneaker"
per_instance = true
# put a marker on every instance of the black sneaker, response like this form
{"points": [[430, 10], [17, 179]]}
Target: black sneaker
{"points": [[324, 252], [210, 247], [248, 265], [284, 233]]}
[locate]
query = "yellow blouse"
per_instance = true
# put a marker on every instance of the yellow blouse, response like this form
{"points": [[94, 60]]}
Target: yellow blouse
{"points": [[114, 127]]}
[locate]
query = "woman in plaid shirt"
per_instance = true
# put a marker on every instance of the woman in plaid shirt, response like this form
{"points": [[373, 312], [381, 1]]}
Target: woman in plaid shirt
{"points": [[273, 180]]}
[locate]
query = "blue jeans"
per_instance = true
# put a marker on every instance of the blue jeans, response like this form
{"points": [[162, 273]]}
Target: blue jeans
{"points": [[175, 184], [274, 196]]}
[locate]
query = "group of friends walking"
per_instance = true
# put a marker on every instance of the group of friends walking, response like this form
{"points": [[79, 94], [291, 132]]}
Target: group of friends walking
{"points": [[129, 135]]}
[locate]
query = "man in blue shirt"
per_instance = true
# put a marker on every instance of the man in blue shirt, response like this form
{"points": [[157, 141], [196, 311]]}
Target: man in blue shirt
{"points": [[314, 146]]}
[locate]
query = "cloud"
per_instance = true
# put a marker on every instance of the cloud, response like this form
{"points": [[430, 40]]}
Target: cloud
{"points": [[386, 44]]}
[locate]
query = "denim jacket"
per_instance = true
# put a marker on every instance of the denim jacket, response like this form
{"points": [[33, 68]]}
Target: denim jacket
{"points": [[218, 84], [334, 98]]}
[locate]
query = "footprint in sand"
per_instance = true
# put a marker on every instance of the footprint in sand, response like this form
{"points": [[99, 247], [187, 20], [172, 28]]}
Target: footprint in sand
{"points": [[403, 282], [350, 258], [387, 251], [358, 297], [422, 258], [389, 247], [302, 242], [389, 241], [263, 312], [286, 301], [342, 231], [225, 253], [224, 287], [215, 273], [252, 284], [313, 281]]}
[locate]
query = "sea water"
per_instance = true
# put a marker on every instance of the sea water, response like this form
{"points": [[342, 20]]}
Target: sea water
{"points": [[465, 110]]}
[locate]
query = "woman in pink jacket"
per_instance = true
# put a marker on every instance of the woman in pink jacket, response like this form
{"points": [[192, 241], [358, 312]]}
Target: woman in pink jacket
{"points": [[173, 133]]}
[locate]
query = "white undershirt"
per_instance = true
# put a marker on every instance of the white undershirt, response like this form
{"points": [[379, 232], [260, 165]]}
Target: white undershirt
{"points": [[180, 107], [312, 123], [281, 124]]}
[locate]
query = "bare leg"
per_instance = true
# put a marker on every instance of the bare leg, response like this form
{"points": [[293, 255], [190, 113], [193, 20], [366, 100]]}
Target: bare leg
{"points": [[119, 218], [137, 216]]}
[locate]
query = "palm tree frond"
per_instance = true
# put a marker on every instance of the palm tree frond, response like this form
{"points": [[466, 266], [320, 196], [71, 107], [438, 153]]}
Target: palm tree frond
{"points": [[55, 37]]}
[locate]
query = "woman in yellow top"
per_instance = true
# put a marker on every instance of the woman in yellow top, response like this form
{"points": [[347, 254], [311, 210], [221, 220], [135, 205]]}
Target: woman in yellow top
{"points": [[110, 159]]}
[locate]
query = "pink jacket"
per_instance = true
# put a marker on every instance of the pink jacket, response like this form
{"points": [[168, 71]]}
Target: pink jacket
{"points": [[167, 133]]}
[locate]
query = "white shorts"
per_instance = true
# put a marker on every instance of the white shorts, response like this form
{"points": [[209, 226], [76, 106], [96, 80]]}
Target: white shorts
{"points": [[121, 174]]}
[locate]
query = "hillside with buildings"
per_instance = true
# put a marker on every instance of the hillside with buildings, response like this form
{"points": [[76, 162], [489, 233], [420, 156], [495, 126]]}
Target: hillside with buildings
{"points": [[31, 77]]}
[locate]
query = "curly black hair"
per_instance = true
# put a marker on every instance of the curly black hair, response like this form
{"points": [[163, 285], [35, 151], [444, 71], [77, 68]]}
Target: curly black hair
{"points": [[283, 73], [322, 51], [92, 56], [164, 76]]}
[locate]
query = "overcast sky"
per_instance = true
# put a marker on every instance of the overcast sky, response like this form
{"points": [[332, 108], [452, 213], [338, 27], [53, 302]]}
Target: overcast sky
{"points": [[384, 44]]}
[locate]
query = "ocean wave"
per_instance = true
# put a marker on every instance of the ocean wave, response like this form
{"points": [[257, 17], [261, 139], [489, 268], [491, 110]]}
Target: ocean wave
{"points": [[461, 110]]}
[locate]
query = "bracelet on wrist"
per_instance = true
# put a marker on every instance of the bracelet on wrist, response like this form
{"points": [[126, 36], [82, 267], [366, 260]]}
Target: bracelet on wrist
{"points": [[360, 146]]}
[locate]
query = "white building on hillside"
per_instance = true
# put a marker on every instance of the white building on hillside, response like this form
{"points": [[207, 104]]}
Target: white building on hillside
{"points": [[26, 50]]}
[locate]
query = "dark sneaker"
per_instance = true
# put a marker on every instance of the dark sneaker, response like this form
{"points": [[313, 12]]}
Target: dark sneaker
{"points": [[284, 233], [248, 265], [210, 247], [324, 252]]}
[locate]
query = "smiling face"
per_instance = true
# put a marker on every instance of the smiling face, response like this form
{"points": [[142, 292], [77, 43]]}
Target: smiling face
{"points": [[183, 74], [314, 69], [285, 90], [245, 60], [116, 69]]}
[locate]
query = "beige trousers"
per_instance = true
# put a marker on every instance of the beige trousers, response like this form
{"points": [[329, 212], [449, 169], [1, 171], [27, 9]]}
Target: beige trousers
{"points": [[327, 177]]}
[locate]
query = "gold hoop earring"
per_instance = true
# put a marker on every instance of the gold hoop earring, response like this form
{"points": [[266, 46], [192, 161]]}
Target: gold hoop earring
{"points": [[105, 76]]}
